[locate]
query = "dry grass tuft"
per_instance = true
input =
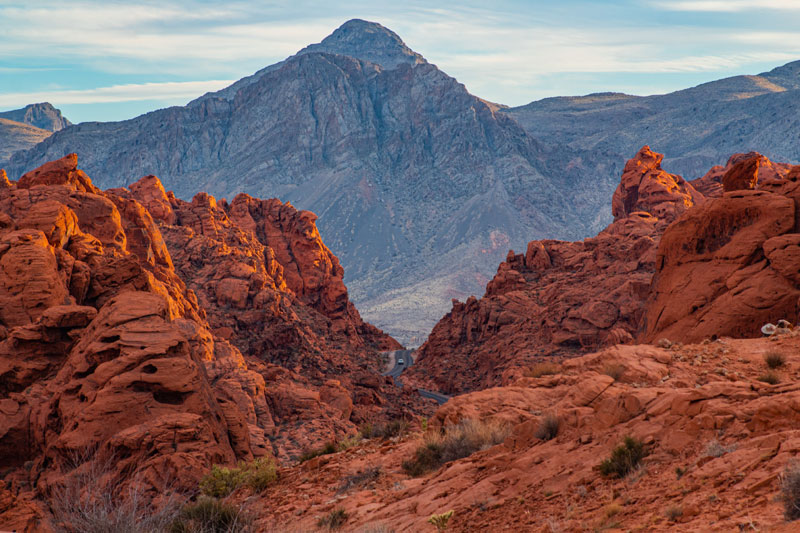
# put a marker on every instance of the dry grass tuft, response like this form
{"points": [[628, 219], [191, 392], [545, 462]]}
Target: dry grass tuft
{"points": [[542, 369]]}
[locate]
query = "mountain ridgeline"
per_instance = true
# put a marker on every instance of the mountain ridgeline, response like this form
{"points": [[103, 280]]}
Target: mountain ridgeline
{"points": [[420, 187]]}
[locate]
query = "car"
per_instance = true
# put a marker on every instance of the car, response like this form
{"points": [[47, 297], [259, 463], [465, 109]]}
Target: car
{"points": [[401, 362]]}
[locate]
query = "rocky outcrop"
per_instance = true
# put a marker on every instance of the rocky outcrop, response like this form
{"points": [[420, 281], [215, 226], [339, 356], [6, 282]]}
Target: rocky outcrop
{"points": [[729, 266], [560, 297], [152, 343]]}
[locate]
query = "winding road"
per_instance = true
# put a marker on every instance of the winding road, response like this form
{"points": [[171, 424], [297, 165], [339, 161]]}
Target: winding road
{"points": [[407, 358]]}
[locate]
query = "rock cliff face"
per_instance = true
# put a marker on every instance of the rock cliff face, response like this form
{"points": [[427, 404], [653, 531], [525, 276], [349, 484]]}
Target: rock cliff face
{"points": [[168, 336], [560, 297]]}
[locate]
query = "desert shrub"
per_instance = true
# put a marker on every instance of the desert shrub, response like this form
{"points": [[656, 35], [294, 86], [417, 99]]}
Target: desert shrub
{"points": [[376, 528], [210, 515], [440, 521], [770, 377], [790, 491], [715, 449], [548, 427], [333, 520], [673, 513], [458, 441], [774, 359], [93, 498], [387, 430], [222, 480], [327, 449], [542, 369], [347, 443], [614, 370], [361, 478], [624, 458]]}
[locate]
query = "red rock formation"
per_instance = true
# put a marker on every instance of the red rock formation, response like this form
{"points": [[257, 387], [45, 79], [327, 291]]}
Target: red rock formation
{"points": [[560, 297], [711, 185], [729, 266], [104, 347]]}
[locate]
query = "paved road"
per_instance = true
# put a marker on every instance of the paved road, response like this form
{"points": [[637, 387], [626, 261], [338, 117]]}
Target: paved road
{"points": [[408, 359]]}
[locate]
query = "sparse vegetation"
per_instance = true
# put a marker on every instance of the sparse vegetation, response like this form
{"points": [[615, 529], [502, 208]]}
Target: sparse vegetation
{"points": [[222, 480], [440, 521], [360, 479], [624, 458], [715, 449], [542, 369], [333, 520], [210, 515], [679, 472], [614, 370], [673, 513], [548, 427], [774, 359], [457, 441], [326, 449], [393, 428], [770, 377], [790, 491]]}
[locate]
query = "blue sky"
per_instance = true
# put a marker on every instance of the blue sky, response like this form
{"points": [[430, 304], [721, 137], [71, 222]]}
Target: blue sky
{"points": [[112, 60]]}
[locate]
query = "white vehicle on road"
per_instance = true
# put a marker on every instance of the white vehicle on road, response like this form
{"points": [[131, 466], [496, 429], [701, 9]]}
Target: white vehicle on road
{"points": [[401, 362]]}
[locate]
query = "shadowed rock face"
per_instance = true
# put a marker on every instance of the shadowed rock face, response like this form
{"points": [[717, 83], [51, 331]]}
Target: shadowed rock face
{"points": [[560, 297], [204, 334]]}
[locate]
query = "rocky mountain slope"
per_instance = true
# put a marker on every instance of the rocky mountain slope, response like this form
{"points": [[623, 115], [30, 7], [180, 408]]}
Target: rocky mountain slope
{"points": [[674, 263], [43, 116], [696, 128], [166, 336], [16, 136], [419, 185], [718, 443]]}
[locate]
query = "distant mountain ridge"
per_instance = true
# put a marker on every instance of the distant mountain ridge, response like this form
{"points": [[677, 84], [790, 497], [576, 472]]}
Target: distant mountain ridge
{"points": [[421, 187]]}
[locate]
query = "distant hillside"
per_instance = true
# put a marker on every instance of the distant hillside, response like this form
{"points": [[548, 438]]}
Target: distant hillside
{"points": [[16, 136], [42, 115]]}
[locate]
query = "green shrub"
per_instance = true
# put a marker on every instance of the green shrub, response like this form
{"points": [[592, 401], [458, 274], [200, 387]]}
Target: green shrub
{"points": [[209, 515], [440, 521], [548, 427], [222, 480], [458, 441], [333, 520], [624, 458]]}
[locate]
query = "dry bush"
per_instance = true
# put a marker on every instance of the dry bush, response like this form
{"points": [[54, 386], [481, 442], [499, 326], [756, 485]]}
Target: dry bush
{"points": [[790, 491], [257, 475], [673, 513], [614, 370], [209, 515], [624, 458], [458, 441], [715, 449], [333, 520], [548, 427], [327, 449], [393, 428], [360, 479], [774, 359], [542, 369], [94, 498], [770, 377]]}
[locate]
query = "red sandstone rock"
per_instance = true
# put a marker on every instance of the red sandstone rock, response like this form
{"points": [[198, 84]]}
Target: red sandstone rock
{"points": [[711, 185], [560, 297]]}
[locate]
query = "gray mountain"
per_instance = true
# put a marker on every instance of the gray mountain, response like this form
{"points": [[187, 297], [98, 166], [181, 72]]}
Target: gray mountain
{"points": [[420, 187], [695, 128], [43, 116]]}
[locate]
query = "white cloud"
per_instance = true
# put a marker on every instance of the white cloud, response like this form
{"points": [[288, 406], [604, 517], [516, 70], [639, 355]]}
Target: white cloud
{"points": [[117, 93], [729, 5]]}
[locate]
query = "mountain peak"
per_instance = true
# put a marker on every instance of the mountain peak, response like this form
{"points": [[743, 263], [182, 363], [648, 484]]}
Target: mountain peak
{"points": [[42, 115], [368, 41]]}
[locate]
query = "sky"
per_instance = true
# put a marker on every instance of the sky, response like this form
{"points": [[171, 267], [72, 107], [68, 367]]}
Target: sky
{"points": [[114, 60]]}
